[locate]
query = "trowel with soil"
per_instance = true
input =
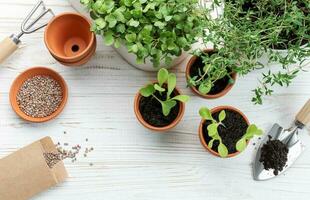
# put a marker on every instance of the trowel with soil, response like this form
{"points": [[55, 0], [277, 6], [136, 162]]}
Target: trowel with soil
{"points": [[280, 148]]}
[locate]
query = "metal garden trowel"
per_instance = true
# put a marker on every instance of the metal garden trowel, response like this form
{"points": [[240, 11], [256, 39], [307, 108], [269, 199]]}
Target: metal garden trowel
{"points": [[287, 136]]}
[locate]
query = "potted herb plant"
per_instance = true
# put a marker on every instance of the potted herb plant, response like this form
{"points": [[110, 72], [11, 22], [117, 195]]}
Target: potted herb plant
{"points": [[210, 73], [225, 131], [159, 106], [276, 29], [148, 34]]}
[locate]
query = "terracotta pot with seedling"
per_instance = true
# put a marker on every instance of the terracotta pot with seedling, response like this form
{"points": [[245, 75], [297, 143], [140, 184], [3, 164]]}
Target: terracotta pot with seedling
{"points": [[210, 73], [159, 106], [225, 131]]}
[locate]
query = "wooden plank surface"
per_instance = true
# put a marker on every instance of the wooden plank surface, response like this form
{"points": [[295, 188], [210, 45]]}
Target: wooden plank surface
{"points": [[130, 162]]}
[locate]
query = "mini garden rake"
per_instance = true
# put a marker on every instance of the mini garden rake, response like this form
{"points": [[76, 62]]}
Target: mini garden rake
{"points": [[10, 44]]}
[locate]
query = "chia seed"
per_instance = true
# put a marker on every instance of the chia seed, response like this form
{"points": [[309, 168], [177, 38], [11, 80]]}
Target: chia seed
{"points": [[39, 96]]}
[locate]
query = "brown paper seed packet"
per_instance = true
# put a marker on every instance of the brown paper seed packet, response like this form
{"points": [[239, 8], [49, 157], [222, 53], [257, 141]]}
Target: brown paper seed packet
{"points": [[25, 172]]}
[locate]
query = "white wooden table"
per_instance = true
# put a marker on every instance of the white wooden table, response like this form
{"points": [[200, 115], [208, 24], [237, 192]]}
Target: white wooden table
{"points": [[131, 162]]}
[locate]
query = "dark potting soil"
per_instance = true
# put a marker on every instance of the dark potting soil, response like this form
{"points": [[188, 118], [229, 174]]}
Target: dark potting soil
{"points": [[235, 128], [274, 155], [151, 111], [219, 85]]}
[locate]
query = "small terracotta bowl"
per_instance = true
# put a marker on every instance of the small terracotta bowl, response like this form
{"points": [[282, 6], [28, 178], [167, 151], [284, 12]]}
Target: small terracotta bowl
{"points": [[69, 39], [154, 128], [195, 90], [35, 71], [214, 110]]}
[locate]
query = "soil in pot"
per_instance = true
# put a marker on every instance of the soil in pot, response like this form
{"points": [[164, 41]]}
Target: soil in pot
{"points": [[274, 155], [235, 128], [219, 85], [151, 111]]}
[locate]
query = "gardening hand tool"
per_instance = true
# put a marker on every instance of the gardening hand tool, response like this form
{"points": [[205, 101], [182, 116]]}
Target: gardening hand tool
{"points": [[289, 137], [10, 44]]}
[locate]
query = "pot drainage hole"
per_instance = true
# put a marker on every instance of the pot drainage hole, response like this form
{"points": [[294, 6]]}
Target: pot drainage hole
{"points": [[75, 48]]}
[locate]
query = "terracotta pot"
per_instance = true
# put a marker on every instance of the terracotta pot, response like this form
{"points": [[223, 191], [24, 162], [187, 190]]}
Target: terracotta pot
{"points": [[214, 110], [81, 62], [69, 39], [154, 128], [29, 74], [207, 96]]}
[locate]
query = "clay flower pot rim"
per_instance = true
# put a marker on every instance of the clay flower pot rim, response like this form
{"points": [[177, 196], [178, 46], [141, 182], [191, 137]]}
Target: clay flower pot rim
{"points": [[195, 90], [89, 46], [154, 128], [214, 110], [21, 78]]}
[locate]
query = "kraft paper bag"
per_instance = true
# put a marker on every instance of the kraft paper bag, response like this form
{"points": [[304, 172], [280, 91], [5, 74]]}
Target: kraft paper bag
{"points": [[25, 172]]}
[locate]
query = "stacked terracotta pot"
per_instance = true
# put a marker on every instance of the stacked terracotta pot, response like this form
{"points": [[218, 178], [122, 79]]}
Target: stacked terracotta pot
{"points": [[69, 39]]}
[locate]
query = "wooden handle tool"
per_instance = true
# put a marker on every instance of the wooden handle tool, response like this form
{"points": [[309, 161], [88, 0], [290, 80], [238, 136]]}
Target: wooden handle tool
{"points": [[303, 116], [7, 47]]}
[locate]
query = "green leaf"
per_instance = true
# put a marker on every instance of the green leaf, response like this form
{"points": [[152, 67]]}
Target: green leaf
{"points": [[222, 115], [205, 88], [172, 81], [205, 113], [147, 90], [167, 106], [111, 20], [241, 145], [131, 37], [182, 98], [159, 24], [162, 76], [158, 88], [117, 43], [252, 130], [212, 129], [101, 23], [210, 144], [133, 23], [108, 38], [222, 150]]}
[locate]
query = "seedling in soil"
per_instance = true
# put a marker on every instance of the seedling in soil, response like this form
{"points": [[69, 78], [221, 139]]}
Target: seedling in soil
{"points": [[213, 133], [213, 67], [166, 83]]}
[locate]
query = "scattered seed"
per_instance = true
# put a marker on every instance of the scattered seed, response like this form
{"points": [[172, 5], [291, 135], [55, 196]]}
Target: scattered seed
{"points": [[39, 96]]}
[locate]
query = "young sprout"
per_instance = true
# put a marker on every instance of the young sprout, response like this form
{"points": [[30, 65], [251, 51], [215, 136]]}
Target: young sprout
{"points": [[215, 68], [166, 83], [205, 113], [251, 131]]}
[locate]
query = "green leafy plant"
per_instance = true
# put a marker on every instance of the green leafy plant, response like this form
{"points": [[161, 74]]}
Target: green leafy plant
{"points": [[212, 129], [166, 83], [156, 29], [216, 66], [249, 29]]}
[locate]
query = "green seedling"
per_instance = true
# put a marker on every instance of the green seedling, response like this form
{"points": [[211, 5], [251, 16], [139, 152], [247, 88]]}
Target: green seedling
{"points": [[206, 114], [216, 66], [212, 129], [251, 131], [166, 83]]}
